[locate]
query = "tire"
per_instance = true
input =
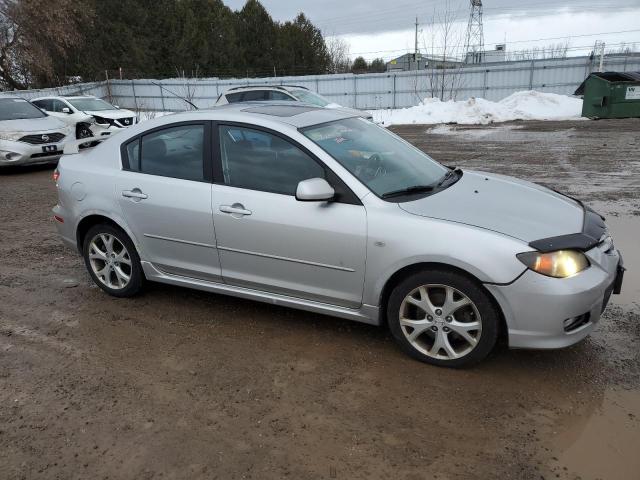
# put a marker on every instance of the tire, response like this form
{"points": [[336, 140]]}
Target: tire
{"points": [[443, 329], [83, 131], [117, 273]]}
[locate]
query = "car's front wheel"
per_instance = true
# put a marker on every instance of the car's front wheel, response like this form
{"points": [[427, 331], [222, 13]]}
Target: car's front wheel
{"points": [[443, 318], [112, 261], [83, 131]]}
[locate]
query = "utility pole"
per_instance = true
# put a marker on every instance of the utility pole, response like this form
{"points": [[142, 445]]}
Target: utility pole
{"points": [[415, 51], [601, 69]]}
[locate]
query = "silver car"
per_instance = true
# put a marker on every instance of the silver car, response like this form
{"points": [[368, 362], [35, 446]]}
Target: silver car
{"points": [[319, 210], [29, 136], [282, 93]]}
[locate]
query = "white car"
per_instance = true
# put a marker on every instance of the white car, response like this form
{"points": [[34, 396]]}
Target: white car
{"points": [[90, 116], [28, 135], [287, 93]]}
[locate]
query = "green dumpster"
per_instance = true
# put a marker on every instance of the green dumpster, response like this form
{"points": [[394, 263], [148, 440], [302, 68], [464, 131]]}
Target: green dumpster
{"points": [[611, 95]]}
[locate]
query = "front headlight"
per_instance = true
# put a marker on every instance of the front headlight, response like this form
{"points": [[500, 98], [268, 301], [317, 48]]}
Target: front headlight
{"points": [[11, 136], [101, 120], [558, 264]]}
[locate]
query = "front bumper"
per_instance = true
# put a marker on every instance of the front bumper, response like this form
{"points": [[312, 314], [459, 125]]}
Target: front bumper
{"points": [[21, 153], [545, 312]]}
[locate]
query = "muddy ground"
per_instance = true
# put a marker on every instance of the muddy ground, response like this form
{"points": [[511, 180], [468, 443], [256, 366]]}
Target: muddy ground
{"points": [[183, 384]]}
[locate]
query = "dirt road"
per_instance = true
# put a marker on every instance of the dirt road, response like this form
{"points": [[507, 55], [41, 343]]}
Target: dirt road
{"points": [[182, 384]]}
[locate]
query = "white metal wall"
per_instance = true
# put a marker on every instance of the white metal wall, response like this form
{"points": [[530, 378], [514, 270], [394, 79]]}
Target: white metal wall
{"points": [[96, 88], [493, 81]]}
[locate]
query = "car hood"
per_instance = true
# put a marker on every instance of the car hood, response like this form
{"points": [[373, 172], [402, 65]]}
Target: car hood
{"points": [[43, 124], [503, 204], [112, 114]]}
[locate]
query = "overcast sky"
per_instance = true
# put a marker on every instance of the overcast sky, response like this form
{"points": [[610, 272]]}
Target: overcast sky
{"points": [[383, 28]]}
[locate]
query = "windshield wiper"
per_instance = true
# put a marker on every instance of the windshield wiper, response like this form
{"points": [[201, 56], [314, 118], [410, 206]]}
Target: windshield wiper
{"points": [[408, 190], [448, 175]]}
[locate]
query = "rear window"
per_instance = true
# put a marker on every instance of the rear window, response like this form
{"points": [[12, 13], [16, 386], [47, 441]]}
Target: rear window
{"points": [[18, 109], [176, 152]]}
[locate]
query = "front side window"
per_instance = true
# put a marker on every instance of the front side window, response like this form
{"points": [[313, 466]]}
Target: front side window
{"points": [[234, 97], [379, 159], [275, 95], [18, 109], [310, 97], [176, 152], [259, 160], [58, 106]]}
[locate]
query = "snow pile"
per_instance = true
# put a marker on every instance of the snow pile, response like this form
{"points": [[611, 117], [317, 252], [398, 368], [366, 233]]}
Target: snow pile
{"points": [[526, 105]]}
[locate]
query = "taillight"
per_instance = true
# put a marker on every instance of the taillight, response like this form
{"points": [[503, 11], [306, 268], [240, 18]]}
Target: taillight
{"points": [[56, 175]]}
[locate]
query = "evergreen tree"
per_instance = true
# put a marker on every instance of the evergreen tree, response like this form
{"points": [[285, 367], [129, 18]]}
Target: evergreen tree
{"points": [[359, 65]]}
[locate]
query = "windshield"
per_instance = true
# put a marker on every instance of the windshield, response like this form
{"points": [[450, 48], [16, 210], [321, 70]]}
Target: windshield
{"points": [[310, 97], [90, 104], [18, 108], [382, 161]]}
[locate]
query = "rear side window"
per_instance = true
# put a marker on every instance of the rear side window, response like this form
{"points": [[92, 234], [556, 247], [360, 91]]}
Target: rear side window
{"points": [[44, 104], [176, 152], [254, 95]]}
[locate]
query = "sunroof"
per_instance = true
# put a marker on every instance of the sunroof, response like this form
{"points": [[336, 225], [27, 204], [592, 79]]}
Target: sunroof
{"points": [[280, 110]]}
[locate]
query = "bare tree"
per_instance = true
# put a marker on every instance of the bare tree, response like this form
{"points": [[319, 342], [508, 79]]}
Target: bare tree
{"points": [[443, 43], [555, 50], [32, 34], [338, 50]]}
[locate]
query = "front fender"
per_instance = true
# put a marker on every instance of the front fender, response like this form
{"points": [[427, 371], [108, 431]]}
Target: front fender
{"points": [[397, 241]]}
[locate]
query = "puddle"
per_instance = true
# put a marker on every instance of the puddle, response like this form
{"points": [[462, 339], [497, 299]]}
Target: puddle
{"points": [[497, 131], [602, 445]]}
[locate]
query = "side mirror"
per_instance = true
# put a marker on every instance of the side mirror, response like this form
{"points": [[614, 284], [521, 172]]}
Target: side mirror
{"points": [[66, 110], [314, 190]]}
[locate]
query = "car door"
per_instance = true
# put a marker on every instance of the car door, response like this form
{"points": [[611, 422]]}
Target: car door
{"points": [[268, 240], [56, 111], [164, 191]]}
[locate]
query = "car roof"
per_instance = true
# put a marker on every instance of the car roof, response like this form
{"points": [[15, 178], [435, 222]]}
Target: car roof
{"points": [[63, 97], [285, 88], [298, 115]]}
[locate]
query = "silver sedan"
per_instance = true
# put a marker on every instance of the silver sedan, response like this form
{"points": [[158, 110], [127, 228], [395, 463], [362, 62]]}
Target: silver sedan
{"points": [[323, 211]]}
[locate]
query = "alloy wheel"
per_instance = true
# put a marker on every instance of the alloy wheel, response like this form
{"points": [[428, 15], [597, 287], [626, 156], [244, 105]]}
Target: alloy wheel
{"points": [[110, 261], [440, 321]]}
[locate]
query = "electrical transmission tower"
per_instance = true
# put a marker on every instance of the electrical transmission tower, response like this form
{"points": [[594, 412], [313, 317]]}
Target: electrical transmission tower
{"points": [[474, 42]]}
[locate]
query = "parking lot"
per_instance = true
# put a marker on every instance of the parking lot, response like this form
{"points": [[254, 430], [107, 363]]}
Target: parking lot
{"points": [[184, 384]]}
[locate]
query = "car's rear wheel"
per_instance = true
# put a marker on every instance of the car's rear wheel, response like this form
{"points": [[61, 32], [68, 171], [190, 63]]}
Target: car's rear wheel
{"points": [[112, 261], [443, 318]]}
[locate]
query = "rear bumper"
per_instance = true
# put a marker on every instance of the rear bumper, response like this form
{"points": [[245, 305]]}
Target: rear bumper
{"points": [[64, 227], [537, 308]]}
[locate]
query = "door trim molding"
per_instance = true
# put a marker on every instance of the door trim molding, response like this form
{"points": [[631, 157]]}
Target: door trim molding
{"points": [[177, 240], [287, 259]]}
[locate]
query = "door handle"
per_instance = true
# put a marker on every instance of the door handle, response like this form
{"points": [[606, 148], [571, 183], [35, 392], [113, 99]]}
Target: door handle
{"points": [[136, 194], [237, 209]]}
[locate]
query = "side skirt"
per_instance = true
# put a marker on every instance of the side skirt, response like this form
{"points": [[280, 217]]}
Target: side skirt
{"points": [[365, 314]]}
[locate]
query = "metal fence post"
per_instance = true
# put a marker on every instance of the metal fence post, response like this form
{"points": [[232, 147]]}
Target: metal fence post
{"points": [[162, 98], [355, 91], [393, 101], [484, 83], [531, 74], [133, 89]]}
